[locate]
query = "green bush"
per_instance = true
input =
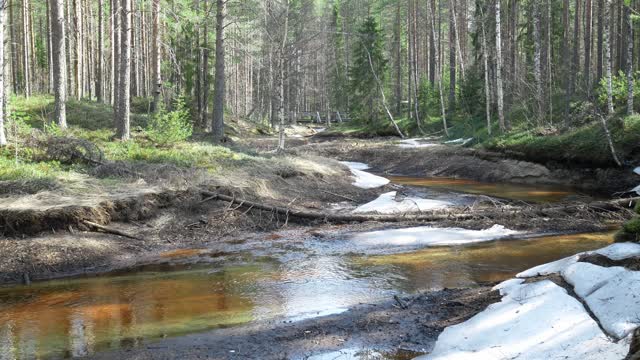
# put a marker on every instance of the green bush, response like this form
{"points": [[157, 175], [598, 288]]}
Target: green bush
{"points": [[619, 89], [632, 226], [167, 128]]}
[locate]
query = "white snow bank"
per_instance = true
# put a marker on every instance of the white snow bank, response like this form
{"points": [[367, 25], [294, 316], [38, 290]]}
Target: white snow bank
{"points": [[459, 141], [353, 165], [428, 236], [612, 294], [533, 321], [387, 204], [550, 268], [415, 143], [636, 189], [365, 180], [586, 278], [618, 251], [637, 170]]}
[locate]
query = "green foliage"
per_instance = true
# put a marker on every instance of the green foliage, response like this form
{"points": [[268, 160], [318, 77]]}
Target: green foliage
{"points": [[167, 128], [368, 53], [12, 169], [637, 208], [632, 226], [619, 86]]}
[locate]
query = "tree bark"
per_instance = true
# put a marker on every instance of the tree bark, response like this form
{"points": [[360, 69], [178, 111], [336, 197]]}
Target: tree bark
{"points": [[600, 56], [100, 55], [219, 82], [607, 56], [3, 138], [587, 47], [629, 58], [155, 54], [124, 94], [503, 124], [59, 61], [537, 60], [452, 58]]}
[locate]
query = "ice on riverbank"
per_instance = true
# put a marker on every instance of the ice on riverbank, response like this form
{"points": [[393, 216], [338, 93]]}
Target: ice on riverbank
{"points": [[387, 204], [415, 143], [362, 179], [637, 170], [541, 320], [533, 321], [428, 236]]}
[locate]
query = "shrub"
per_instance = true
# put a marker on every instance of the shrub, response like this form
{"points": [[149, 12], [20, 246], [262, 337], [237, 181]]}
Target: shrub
{"points": [[167, 128]]}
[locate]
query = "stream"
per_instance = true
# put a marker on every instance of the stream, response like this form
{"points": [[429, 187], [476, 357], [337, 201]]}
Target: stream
{"points": [[196, 290]]}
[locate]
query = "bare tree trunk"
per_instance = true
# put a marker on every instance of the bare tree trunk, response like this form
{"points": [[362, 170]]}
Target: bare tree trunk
{"points": [[600, 39], [587, 47], [607, 56], [155, 54], [281, 62], [537, 67], [26, 49], [503, 125], [219, 85], [100, 55], [487, 90], [439, 76], [59, 60], [3, 138], [124, 94], [452, 58], [629, 65]]}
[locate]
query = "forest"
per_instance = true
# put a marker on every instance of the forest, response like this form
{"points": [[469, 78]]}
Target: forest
{"points": [[320, 179]]}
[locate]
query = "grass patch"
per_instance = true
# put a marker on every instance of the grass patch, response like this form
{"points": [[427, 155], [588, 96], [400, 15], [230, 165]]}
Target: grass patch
{"points": [[585, 145]]}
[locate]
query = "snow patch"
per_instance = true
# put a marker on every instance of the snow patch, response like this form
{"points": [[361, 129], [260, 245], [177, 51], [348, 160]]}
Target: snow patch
{"points": [[353, 165], [616, 252], [636, 189], [415, 143], [387, 204], [365, 180], [428, 236], [586, 278], [620, 251], [533, 321], [460, 141], [616, 302], [637, 170]]}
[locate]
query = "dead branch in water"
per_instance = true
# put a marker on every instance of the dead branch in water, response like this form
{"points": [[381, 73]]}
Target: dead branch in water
{"points": [[596, 207], [109, 230]]}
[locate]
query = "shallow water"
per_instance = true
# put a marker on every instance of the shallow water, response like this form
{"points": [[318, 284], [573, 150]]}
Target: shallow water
{"points": [[529, 193], [75, 317]]}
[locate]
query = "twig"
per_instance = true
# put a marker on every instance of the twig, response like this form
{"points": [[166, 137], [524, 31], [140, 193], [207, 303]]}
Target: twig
{"points": [[109, 230]]}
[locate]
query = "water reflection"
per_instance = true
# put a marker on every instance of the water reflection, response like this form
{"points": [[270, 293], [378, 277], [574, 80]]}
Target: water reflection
{"points": [[81, 316], [530, 193]]}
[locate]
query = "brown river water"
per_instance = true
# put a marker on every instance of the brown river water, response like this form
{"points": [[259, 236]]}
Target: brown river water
{"points": [[80, 316]]}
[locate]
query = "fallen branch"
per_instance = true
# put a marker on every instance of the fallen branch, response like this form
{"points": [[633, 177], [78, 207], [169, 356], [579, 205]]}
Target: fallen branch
{"points": [[612, 205], [109, 230]]}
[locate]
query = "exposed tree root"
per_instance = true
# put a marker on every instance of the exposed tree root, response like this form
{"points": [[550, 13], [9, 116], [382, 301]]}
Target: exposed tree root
{"points": [[109, 230]]}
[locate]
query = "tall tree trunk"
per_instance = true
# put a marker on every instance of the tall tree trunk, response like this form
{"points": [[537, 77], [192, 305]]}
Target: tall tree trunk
{"points": [[537, 60], [629, 58], [59, 60], [433, 67], [79, 52], [100, 55], [587, 46], [124, 94], [607, 56], [503, 124], [575, 63], [452, 58], [487, 90], [26, 49], [600, 56], [219, 86], [3, 138], [439, 77], [155, 54], [397, 43]]}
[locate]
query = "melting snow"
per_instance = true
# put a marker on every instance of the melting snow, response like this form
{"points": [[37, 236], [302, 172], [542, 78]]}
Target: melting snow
{"points": [[387, 204], [415, 143], [619, 251], [365, 180], [637, 170], [428, 236], [533, 321], [459, 141], [636, 189]]}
